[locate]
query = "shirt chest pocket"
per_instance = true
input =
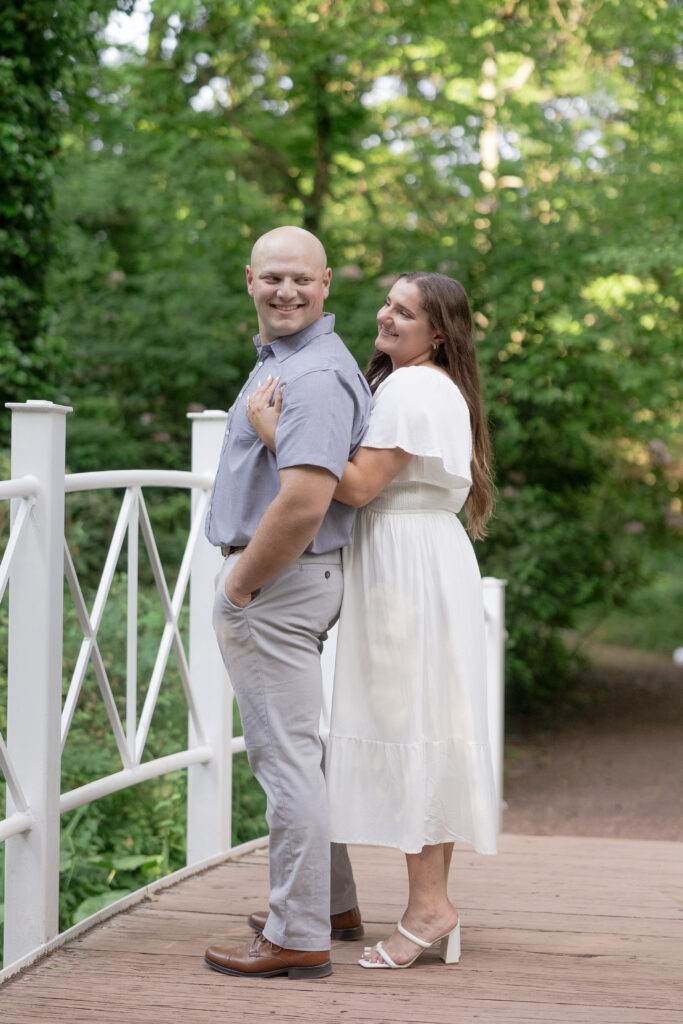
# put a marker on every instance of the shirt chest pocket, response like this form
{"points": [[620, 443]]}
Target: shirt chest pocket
{"points": [[241, 429]]}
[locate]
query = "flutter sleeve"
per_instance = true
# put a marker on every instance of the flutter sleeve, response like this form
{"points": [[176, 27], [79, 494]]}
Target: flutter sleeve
{"points": [[423, 412]]}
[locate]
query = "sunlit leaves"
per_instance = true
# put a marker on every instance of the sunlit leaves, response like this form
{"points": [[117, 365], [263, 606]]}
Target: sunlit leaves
{"points": [[527, 149]]}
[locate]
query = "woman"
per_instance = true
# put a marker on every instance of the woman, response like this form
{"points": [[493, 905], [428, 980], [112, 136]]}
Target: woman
{"points": [[408, 762]]}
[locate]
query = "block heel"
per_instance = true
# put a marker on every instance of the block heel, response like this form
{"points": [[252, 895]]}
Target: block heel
{"points": [[450, 946]]}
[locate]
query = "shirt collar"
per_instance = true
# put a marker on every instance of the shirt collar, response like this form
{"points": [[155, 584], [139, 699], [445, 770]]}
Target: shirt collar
{"points": [[285, 347]]}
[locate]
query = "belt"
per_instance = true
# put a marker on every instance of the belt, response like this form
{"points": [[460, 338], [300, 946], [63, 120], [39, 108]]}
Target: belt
{"points": [[229, 549]]}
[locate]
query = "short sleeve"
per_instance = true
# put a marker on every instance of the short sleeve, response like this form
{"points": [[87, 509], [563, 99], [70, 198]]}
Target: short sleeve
{"points": [[423, 412], [317, 420]]}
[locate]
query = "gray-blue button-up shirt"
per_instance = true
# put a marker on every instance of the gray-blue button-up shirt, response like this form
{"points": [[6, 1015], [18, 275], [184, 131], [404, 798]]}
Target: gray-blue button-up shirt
{"points": [[325, 408]]}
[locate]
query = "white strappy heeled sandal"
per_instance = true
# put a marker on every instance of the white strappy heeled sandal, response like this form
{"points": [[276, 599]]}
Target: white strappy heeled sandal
{"points": [[449, 952]]}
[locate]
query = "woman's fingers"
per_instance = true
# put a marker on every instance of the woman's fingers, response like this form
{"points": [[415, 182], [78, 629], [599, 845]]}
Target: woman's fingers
{"points": [[277, 404], [269, 388], [261, 397]]}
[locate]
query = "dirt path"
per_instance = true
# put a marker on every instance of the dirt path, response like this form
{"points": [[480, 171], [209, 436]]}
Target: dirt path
{"points": [[614, 768]]}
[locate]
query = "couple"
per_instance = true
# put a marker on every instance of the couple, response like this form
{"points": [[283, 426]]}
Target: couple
{"points": [[407, 763]]}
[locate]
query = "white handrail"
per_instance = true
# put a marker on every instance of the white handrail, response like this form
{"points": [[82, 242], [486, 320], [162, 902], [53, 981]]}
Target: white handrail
{"points": [[23, 487], [141, 773], [17, 823], [114, 478], [35, 559], [36, 542], [132, 776]]}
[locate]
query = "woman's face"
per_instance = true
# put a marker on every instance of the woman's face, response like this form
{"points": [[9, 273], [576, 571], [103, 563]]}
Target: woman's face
{"points": [[405, 333]]}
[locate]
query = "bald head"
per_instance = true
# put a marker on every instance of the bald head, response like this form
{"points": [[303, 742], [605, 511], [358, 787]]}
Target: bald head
{"points": [[289, 280], [289, 241]]}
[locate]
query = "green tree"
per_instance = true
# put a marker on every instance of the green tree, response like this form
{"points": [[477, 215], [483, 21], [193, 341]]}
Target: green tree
{"points": [[41, 41], [526, 148]]}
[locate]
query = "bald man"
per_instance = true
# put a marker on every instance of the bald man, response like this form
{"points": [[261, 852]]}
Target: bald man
{"points": [[280, 590]]}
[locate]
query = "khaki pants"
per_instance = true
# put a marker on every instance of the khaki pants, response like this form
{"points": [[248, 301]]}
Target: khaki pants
{"points": [[271, 650]]}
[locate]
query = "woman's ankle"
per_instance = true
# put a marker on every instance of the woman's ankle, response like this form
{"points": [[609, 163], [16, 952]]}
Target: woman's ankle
{"points": [[430, 910]]}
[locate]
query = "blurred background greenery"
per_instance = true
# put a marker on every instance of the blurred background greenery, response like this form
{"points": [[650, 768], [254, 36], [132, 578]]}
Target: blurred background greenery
{"points": [[530, 149]]}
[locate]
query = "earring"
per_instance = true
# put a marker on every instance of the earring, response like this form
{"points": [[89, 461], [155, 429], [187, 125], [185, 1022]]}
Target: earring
{"points": [[435, 345]]}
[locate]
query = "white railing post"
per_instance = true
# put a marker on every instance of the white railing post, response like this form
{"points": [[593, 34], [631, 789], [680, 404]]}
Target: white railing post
{"points": [[209, 786], [35, 679], [494, 609]]}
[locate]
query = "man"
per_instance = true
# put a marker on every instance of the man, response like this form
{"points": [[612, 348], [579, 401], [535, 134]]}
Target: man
{"points": [[279, 591]]}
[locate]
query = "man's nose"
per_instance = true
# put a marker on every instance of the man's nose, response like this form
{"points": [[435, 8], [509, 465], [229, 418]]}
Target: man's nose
{"points": [[286, 289]]}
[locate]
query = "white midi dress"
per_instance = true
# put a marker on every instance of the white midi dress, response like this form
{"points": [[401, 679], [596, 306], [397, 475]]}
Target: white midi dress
{"points": [[408, 761]]}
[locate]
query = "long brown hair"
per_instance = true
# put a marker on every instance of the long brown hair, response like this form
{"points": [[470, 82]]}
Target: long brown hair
{"points": [[445, 302]]}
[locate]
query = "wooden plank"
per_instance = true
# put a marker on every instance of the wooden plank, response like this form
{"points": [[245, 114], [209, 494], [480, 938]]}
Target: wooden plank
{"points": [[376, 1000], [525, 955], [498, 972], [583, 931]]}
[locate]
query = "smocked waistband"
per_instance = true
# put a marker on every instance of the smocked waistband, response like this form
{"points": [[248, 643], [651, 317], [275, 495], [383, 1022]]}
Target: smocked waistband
{"points": [[419, 498]]}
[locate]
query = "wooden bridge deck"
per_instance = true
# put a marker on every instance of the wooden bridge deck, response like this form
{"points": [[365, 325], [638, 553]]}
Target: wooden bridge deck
{"points": [[554, 929]]}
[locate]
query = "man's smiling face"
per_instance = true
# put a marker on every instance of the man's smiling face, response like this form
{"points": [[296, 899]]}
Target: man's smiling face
{"points": [[288, 282]]}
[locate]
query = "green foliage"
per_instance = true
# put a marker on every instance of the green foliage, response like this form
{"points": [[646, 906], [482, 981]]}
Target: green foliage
{"points": [[647, 617], [527, 149], [41, 40], [119, 843], [128, 839], [123, 841]]}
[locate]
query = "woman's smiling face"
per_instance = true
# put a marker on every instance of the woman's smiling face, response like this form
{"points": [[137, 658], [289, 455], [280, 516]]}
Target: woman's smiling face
{"points": [[405, 333]]}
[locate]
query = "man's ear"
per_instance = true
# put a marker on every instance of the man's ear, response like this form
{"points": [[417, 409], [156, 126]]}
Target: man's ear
{"points": [[250, 279], [327, 277]]}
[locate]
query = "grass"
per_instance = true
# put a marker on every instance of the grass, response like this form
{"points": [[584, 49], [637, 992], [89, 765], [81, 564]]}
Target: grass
{"points": [[652, 617]]}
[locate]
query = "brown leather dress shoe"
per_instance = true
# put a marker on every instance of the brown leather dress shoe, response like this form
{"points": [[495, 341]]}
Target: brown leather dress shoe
{"points": [[344, 927], [264, 960]]}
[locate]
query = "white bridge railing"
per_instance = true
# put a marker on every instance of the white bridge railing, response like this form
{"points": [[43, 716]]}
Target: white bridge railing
{"points": [[35, 560]]}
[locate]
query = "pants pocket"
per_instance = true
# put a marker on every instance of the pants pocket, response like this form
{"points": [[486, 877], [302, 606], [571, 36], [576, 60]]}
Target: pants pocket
{"points": [[322, 589]]}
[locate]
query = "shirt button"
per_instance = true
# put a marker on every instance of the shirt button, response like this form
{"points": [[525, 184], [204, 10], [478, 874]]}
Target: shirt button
{"points": [[259, 364]]}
